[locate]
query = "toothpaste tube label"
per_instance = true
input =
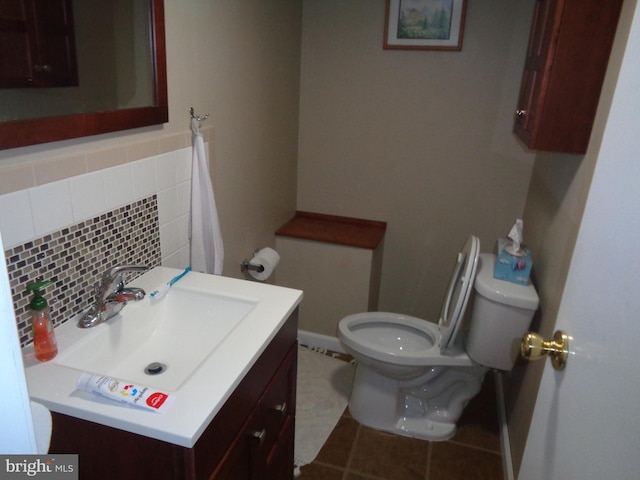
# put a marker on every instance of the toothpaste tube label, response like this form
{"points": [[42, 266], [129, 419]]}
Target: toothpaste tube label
{"points": [[156, 399], [124, 392]]}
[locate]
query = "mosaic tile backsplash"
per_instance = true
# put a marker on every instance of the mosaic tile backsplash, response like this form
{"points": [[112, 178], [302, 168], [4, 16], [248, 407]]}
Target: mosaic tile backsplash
{"points": [[75, 257]]}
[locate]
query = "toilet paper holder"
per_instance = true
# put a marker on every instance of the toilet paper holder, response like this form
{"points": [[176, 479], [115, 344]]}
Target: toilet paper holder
{"points": [[262, 264], [245, 265]]}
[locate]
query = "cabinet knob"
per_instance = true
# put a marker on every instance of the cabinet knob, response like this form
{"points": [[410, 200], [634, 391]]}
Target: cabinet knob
{"points": [[281, 408], [259, 435], [43, 68], [521, 113]]}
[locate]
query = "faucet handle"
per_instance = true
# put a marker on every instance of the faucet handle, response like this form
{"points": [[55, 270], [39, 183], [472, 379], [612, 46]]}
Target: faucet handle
{"points": [[113, 278], [113, 272]]}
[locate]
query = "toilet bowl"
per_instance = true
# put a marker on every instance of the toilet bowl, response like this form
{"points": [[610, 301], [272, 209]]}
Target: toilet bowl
{"points": [[415, 377]]}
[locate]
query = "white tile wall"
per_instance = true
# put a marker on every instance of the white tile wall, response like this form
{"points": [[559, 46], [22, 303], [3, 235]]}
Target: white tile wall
{"points": [[51, 207], [88, 197], [118, 186], [29, 214], [16, 219]]}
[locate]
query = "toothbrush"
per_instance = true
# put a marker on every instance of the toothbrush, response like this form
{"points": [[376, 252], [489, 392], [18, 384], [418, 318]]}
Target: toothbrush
{"points": [[159, 293]]}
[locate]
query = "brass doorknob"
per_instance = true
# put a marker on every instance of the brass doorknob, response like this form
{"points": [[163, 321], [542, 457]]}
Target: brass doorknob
{"points": [[533, 347]]}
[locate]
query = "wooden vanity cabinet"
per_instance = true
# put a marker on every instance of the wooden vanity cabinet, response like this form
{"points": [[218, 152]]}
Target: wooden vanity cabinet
{"points": [[261, 449], [567, 57], [251, 437]]}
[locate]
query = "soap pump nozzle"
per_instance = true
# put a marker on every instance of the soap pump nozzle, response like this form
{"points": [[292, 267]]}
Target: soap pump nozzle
{"points": [[38, 302]]}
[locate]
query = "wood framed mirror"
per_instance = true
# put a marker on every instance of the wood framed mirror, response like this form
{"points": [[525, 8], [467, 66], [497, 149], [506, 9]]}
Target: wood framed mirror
{"points": [[140, 22]]}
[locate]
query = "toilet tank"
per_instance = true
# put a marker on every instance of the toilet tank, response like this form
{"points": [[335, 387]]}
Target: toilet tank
{"points": [[500, 315]]}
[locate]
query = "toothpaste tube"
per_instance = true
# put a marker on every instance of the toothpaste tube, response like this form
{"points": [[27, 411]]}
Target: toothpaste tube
{"points": [[124, 392]]}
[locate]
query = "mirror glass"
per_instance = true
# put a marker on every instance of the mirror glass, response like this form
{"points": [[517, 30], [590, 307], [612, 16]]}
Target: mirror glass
{"points": [[80, 67]]}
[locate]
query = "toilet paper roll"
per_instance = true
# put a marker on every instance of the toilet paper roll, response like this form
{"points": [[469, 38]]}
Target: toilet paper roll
{"points": [[268, 258]]}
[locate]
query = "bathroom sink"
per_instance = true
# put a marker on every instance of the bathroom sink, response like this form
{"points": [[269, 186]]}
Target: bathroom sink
{"points": [[208, 332], [158, 344]]}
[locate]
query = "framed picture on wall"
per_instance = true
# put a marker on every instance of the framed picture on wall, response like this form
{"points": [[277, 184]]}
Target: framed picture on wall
{"points": [[424, 24]]}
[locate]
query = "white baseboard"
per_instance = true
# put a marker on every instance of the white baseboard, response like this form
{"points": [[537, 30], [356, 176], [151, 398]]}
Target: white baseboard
{"points": [[320, 341], [507, 461]]}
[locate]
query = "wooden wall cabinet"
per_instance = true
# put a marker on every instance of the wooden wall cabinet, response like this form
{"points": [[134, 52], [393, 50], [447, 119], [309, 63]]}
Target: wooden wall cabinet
{"points": [[569, 47], [251, 437], [38, 44]]}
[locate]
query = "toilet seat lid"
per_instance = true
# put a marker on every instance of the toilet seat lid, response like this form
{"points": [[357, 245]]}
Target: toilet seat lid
{"points": [[458, 293]]}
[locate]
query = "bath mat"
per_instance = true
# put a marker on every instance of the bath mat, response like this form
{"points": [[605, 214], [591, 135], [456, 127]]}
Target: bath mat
{"points": [[324, 387]]}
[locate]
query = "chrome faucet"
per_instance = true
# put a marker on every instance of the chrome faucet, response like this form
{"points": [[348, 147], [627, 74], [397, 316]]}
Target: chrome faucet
{"points": [[111, 295]]}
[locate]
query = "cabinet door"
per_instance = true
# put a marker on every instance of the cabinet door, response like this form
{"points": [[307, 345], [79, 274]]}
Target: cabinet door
{"points": [[56, 43], [37, 41], [279, 464], [264, 447], [273, 456], [567, 58], [17, 44], [538, 55]]}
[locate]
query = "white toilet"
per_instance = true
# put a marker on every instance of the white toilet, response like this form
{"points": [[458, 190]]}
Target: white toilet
{"points": [[415, 377]]}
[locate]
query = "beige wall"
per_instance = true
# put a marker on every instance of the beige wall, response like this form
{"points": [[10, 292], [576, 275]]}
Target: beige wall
{"points": [[237, 61], [419, 139]]}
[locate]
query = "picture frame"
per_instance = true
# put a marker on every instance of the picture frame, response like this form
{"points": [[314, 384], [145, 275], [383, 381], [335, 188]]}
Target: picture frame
{"points": [[424, 24]]}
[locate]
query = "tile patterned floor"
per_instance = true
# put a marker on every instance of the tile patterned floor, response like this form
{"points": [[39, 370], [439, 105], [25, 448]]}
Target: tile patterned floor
{"points": [[355, 452]]}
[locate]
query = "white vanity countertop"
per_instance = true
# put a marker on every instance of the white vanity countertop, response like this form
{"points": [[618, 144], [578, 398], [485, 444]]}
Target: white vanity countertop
{"points": [[202, 395]]}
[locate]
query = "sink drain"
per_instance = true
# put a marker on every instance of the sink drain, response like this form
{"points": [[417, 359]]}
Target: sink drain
{"points": [[155, 368]]}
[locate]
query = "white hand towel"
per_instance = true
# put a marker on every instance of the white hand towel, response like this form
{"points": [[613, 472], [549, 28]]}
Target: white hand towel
{"points": [[207, 251]]}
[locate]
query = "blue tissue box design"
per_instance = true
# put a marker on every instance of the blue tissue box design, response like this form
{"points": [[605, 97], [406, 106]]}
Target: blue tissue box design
{"points": [[511, 268]]}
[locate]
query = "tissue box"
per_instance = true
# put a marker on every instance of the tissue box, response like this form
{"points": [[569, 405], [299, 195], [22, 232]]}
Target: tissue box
{"points": [[511, 268]]}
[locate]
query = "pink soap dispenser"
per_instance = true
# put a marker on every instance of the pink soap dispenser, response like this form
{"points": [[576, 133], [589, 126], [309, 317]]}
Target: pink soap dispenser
{"points": [[44, 338]]}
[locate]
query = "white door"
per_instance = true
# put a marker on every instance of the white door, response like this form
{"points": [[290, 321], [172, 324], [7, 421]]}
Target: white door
{"points": [[16, 425], [586, 423]]}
